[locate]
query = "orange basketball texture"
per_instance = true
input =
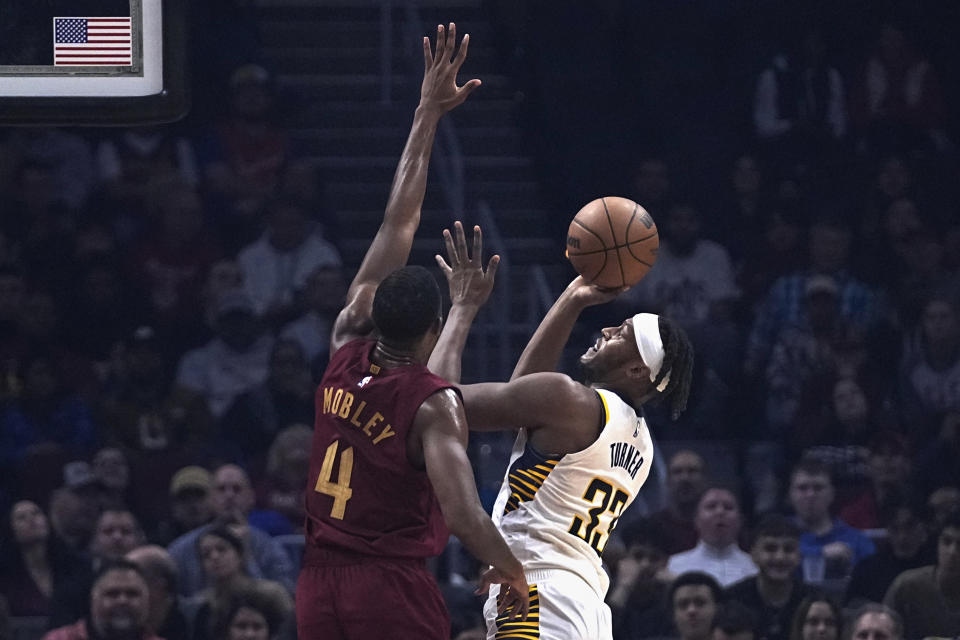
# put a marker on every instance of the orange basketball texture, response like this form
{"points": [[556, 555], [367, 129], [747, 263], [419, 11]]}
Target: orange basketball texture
{"points": [[612, 242]]}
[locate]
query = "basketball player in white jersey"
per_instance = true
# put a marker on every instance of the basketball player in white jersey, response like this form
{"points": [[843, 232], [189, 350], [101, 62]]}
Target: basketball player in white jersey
{"points": [[582, 450]]}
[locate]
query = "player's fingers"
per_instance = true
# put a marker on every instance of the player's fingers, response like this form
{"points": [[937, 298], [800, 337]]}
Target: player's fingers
{"points": [[451, 40], [451, 250], [443, 265], [461, 242], [467, 89], [477, 244], [427, 54], [441, 44], [462, 53], [492, 267]]}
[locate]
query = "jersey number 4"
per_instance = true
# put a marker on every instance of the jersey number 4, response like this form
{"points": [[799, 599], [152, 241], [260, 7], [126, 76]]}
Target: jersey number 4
{"points": [[611, 500], [340, 490]]}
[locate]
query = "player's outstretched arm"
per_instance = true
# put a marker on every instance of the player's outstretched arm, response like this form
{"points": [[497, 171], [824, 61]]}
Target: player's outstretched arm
{"points": [[543, 351], [391, 246], [442, 428], [470, 286]]}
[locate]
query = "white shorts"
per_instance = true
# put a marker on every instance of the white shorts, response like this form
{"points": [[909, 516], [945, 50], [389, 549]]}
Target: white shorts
{"points": [[562, 607]]}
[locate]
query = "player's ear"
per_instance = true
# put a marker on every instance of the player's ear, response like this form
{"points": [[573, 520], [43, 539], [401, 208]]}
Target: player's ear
{"points": [[638, 371]]}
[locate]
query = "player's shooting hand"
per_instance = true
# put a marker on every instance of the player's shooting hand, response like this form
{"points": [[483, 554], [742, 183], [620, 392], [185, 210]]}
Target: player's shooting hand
{"points": [[469, 283], [587, 295], [439, 89], [514, 597]]}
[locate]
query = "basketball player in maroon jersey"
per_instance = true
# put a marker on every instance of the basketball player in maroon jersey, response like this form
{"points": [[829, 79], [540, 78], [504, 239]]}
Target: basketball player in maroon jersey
{"points": [[389, 475]]}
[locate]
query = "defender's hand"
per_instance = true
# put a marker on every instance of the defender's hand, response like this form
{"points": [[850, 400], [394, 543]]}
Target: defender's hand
{"points": [[469, 283], [439, 90], [514, 597]]}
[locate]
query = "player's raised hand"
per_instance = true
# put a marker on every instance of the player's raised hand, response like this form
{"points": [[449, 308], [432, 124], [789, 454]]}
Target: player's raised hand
{"points": [[439, 89], [513, 600], [469, 282], [587, 295]]}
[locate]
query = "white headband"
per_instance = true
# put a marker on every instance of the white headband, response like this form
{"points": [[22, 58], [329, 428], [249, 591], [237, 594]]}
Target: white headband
{"points": [[646, 330]]}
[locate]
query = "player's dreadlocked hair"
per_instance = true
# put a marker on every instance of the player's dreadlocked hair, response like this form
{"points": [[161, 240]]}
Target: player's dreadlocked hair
{"points": [[678, 362]]}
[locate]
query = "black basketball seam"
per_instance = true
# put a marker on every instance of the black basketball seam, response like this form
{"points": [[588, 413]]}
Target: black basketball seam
{"points": [[603, 265], [635, 257], [618, 246], [613, 234]]}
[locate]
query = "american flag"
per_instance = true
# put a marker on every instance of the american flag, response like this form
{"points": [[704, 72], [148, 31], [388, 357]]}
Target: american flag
{"points": [[92, 42]]}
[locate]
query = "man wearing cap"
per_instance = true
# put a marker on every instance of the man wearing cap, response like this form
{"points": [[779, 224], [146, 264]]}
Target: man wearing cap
{"points": [[808, 348], [231, 500], [582, 453], [189, 504], [235, 361]]}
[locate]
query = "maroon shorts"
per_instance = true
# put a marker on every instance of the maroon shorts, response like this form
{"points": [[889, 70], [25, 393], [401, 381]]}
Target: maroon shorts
{"points": [[344, 597]]}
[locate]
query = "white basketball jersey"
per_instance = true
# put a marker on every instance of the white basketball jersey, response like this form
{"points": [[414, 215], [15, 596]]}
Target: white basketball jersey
{"points": [[557, 512]]}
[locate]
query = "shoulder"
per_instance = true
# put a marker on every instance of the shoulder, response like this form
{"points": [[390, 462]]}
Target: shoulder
{"points": [[253, 252], [185, 542]]}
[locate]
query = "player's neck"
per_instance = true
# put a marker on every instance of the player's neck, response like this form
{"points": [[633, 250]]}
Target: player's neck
{"points": [[389, 357]]}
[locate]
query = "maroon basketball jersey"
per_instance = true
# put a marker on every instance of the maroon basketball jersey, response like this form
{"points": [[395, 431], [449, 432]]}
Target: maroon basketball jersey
{"points": [[363, 494]]}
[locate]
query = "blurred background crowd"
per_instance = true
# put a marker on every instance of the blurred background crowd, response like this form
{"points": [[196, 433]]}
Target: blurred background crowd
{"points": [[167, 292]]}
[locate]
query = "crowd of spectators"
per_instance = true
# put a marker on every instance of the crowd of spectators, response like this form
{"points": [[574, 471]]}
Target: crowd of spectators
{"points": [[167, 293]]}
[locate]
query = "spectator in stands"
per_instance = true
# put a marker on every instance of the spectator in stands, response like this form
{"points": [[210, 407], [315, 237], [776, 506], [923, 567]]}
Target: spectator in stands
{"points": [[897, 99], [245, 159], [828, 255], [652, 184], [74, 507], [288, 463], [637, 599], [118, 607], [67, 154], [906, 526], [742, 209], [942, 502], [735, 621], [222, 556], [875, 621], [685, 484], [322, 297], [799, 104], [252, 613], [130, 158], [33, 561], [279, 263], [117, 532], [112, 471], [812, 349], [694, 598], [172, 261], [234, 362], [44, 421], [926, 598], [823, 536], [930, 375], [775, 592], [164, 619], [694, 281], [100, 287], [889, 482], [232, 501], [817, 618], [286, 397], [224, 276], [718, 521], [190, 505], [934, 467]]}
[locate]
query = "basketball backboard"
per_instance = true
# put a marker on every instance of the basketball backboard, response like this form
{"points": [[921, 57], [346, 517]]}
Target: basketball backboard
{"points": [[92, 62]]}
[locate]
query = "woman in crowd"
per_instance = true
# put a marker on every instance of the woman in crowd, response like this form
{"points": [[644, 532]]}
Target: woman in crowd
{"points": [[222, 555], [817, 618], [32, 561]]}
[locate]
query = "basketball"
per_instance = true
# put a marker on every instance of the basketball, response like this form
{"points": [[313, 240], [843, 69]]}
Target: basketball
{"points": [[612, 242]]}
